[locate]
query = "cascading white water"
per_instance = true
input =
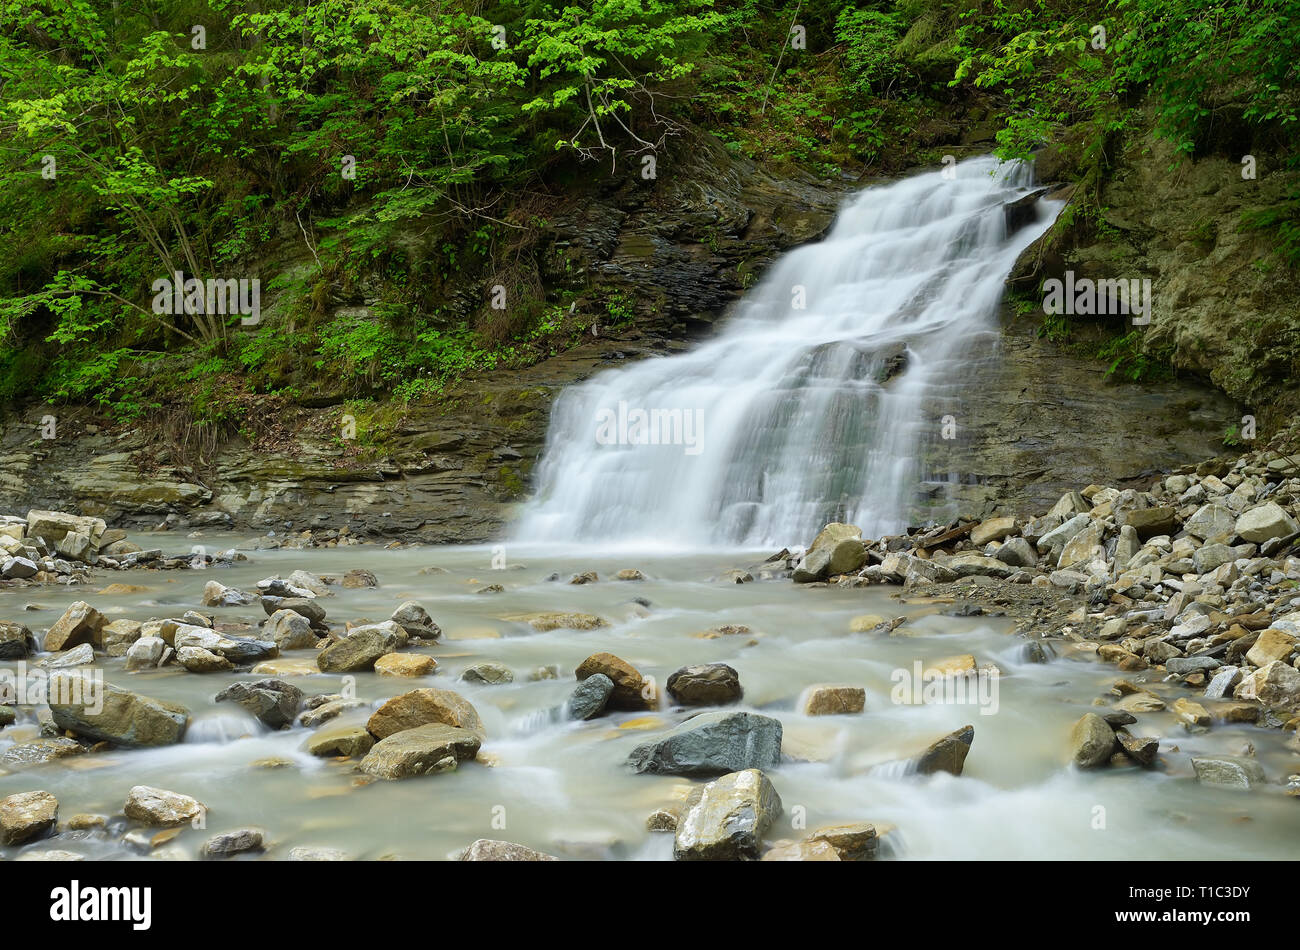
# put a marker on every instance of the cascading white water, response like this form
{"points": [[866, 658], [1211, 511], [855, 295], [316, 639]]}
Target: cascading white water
{"points": [[814, 402]]}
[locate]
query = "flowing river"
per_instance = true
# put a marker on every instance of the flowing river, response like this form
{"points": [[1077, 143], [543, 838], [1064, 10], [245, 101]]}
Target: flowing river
{"points": [[562, 786]]}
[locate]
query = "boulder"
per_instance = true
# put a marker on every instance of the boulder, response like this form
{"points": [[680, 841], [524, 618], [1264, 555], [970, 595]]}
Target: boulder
{"points": [[415, 620], [727, 818], [16, 641], [159, 807], [216, 594], [405, 664], [1275, 683], [1265, 522], [994, 529], [126, 719], [631, 691], [1150, 522], [27, 816], [273, 702], [422, 707], [487, 674], [707, 684], [589, 698], [1092, 741], [830, 700], [486, 849], [199, 660], [947, 754], [344, 740], [837, 549], [289, 630], [712, 744], [230, 843], [80, 623], [145, 653], [423, 750], [1272, 645], [1212, 522], [359, 650], [1228, 771]]}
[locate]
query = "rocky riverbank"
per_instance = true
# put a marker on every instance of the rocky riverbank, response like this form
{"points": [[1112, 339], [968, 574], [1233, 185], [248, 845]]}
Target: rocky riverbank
{"points": [[1190, 588]]}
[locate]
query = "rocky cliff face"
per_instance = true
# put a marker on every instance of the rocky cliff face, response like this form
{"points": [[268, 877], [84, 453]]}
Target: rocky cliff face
{"points": [[1224, 303]]}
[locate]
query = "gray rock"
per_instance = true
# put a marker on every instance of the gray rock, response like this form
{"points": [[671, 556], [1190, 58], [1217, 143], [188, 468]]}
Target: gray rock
{"points": [[273, 702], [289, 630], [1228, 771], [358, 651], [1265, 522], [1223, 682], [231, 843], [1191, 664], [486, 849], [1017, 552], [415, 620], [1210, 522], [712, 744], [488, 673], [589, 697]]}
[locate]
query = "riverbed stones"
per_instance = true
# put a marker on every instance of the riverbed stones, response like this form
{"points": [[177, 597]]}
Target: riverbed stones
{"points": [[349, 740], [230, 843], [1264, 523], [1272, 645], [18, 568], [837, 549], [712, 744], [1223, 682], [16, 641], [424, 750], [488, 673], [727, 819], [993, 529], [27, 816], [415, 620], [358, 578], [359, 650], [306, 606], [159, 807], [631, 690], [80, 623], [1275, 683], [1054, 541], [145, 653], [1140, 749], [421, 707], [238, 650], [546, 621], [289, 630], [272, 702], [589, 697], [705, 684], [947, 754], [1190, 713], [827, 699], [199, 660], [216, 594], [405, 664], [1227, 771], [488, 849], [125, 719], [1017, 552], [1092, 741], [1150, 522]]}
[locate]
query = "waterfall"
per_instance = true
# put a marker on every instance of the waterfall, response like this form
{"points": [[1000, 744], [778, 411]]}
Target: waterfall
{"points": [[818, 400]]}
